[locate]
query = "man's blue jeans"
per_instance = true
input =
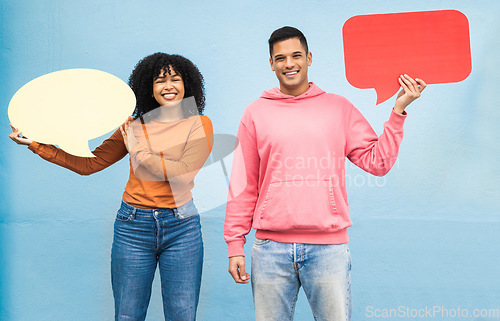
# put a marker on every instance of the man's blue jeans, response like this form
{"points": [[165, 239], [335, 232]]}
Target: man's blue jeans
{"points": [[143, 239], [280, 269]]}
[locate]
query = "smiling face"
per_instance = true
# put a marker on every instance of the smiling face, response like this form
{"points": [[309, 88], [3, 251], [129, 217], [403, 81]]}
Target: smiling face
{"points": [[168, 87], [290, 61]]}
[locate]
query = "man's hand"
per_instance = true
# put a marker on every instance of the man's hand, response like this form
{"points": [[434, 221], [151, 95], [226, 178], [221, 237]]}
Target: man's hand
{"points": [[237, 269], [411, 89]]}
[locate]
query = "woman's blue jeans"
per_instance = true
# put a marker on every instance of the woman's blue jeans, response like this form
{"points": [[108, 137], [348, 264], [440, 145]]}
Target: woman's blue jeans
{"points": [[144, 239]]}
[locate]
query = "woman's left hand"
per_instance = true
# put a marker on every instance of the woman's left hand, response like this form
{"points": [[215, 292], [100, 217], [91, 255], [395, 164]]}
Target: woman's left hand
{"points": [[128, 134], [411, 89]]}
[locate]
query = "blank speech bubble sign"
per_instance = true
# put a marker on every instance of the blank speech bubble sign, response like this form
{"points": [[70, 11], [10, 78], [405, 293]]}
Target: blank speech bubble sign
{"points": [[70, 107], [431, 45]]}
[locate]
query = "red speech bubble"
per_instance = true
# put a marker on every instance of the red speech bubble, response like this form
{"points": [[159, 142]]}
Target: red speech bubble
{"points": [[431, 45]]}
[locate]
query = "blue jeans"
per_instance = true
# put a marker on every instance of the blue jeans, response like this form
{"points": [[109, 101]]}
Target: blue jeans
{"points": [[280, 269], [143, 239]]}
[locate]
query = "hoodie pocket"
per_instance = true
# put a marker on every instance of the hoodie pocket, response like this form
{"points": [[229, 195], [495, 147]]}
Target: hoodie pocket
{"points": [[301, 205]]}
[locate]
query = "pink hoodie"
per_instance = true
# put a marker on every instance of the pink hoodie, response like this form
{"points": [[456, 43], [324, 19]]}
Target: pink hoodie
{"points": [[288, 175]]}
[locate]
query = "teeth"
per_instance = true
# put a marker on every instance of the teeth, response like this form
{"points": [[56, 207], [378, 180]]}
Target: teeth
{"points": [[169, 96], [290, 73]]}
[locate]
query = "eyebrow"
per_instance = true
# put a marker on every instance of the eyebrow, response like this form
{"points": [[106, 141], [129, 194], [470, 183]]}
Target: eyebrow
{"points": [[161, 77], [293, 53]]}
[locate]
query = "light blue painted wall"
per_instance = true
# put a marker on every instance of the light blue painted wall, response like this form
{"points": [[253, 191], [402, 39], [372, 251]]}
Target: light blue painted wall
{"points": [[428, 237]]}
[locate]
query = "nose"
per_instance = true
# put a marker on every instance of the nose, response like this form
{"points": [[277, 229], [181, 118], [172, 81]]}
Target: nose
{"points": [[289, 62], [169, 84]]}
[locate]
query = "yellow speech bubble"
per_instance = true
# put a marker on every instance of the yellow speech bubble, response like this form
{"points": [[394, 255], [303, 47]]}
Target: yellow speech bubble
{"points": [[70, 107]]}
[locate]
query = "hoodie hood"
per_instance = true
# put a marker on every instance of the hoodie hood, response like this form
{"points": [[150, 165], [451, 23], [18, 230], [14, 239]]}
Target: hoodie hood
{"points": [[276, 94]]}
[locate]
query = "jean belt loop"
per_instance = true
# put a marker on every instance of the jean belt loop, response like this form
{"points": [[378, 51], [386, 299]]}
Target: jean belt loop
{"points": [[133, 212]]}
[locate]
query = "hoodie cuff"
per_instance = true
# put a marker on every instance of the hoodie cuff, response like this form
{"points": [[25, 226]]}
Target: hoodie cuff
{"points": [[235, 248], [397, 119]]}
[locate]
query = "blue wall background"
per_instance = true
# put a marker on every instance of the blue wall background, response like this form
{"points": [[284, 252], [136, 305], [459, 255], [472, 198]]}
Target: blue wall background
{"points": [[426, 235]]}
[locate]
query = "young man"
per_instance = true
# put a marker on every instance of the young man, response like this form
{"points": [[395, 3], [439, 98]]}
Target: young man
{"points": [[288, 183]]}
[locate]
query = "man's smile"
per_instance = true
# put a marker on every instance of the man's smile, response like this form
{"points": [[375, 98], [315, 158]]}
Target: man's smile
{"points": [[291, 74]]}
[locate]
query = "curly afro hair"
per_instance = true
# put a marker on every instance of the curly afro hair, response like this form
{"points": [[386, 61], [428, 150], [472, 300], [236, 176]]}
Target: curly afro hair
{"points": [[150, 67]]}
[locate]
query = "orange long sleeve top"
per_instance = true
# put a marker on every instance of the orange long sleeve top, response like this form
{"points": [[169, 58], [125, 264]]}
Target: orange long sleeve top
{"points": [[163, 162]]}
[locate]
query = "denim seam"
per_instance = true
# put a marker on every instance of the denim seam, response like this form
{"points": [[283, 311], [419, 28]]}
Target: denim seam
{"points": [[157, 232], [293, 305]]}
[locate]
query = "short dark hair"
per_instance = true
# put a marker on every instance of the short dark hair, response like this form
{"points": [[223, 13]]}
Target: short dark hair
{"points": [[286, 33], [150, 67]]}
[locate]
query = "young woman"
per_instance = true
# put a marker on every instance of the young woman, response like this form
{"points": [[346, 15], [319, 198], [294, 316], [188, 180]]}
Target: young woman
{"points": [[157, 224]]}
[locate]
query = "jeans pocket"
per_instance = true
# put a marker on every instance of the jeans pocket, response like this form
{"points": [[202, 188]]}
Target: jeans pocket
{"points": [[186, 211], [260, 242], [123, 216]]}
